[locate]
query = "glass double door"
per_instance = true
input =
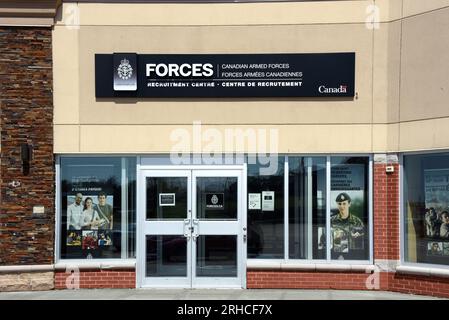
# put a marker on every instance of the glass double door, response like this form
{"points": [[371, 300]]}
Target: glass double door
{"points": [[192, 228]]}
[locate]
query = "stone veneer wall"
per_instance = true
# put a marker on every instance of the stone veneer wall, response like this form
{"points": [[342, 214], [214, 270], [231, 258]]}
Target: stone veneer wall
{"points": [[26, 116], [24, 281]]}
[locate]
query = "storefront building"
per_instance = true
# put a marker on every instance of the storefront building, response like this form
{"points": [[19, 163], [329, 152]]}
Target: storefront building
{"points": [[294, 144]]}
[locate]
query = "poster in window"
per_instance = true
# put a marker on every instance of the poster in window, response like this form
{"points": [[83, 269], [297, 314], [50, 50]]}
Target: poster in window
{"points": [[340, 240], [167, 199], [74, 239], [436, 215], [254, 201], [90, 189], [104, 238], [89, 212], [90, 239], [348, 230], [215, 201], [446, 248], [434, 248], [267, 200]]}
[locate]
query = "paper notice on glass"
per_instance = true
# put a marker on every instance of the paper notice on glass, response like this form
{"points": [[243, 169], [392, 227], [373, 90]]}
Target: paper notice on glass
{"points": [[267, 200], [167, 199], [253, 201]]}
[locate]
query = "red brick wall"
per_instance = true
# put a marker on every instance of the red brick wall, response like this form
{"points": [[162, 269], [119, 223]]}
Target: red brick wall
{"points": [[26, 116], [386, 247], [414, 284], [306, 280], [386, 212], [89, 279]]}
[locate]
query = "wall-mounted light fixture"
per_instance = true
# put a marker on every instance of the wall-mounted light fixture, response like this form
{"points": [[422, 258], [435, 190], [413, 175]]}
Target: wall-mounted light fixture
{"points": [[26, 152]]}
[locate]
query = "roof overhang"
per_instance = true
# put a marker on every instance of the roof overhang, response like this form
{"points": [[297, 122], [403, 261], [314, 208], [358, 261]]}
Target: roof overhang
{"points": [[28, 12]]}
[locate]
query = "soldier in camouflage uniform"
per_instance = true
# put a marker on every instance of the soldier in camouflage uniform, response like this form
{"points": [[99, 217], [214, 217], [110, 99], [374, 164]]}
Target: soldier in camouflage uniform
{"points": [[346, 227]]}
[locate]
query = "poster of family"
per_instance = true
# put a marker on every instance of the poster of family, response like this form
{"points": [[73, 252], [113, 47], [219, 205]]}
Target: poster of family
{"points": [[89, 220]]}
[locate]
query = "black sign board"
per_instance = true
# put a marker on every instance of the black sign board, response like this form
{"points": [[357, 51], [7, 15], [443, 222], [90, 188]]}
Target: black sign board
{"points": [[224, 75], [214, 200]]}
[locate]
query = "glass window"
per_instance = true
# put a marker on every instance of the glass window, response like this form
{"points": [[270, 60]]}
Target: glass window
{"points": [[307, 207], [216, 256], [349, 207], [426, 208], [166, 256], [216, 198], [266, 217], [166, 197], [98, 216]]}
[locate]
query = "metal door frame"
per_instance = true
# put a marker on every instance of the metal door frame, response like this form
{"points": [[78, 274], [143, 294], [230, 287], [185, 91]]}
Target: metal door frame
{"points": [[220, 227], [174, 170]]}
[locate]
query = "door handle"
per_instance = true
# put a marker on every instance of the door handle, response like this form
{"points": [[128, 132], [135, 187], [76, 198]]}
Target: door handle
{"points": [[190, 233], [195, 231], [187, 229]]}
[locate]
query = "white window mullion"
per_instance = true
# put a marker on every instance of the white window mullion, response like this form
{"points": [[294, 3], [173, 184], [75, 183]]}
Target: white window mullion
{"points": [[124, 204], [370, 206], [309, 210], [328, 210], [286, 195]]}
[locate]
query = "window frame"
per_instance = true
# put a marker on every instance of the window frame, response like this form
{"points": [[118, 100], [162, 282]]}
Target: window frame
{"points": [[402, 217], [58, 212], [287, 259], [328, 259]]}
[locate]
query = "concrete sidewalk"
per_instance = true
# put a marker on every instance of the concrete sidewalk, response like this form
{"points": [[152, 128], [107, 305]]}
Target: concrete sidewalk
{"points": [[207, 294]]}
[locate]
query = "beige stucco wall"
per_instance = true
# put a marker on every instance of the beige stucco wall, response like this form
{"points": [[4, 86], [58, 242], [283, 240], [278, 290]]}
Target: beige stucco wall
{"points": [[401, 79]]}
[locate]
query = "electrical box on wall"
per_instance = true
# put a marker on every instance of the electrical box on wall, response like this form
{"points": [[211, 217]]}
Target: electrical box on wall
{"points": [[389, 169], [38, 209]]}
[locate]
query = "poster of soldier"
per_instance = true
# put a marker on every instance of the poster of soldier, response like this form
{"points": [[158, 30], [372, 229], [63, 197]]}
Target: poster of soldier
{"points": [[348, 216]]}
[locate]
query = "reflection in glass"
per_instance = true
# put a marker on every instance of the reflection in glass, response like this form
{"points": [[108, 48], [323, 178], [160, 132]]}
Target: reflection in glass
{"points": [[307, 207], [131, 215], [166, 256], [216, 256], [349, 208], [216, 198], [266, 225], [166, 197]]}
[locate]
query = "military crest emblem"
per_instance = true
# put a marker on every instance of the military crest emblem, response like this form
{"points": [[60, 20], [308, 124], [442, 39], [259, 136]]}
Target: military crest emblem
{"points": [[214, 199], [124, 70]]}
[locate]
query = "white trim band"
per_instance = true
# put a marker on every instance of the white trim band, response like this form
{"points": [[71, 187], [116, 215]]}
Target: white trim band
{"points": [[98, 265], [30, 268], [83, 265], [423, 271], [280, 265]]}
